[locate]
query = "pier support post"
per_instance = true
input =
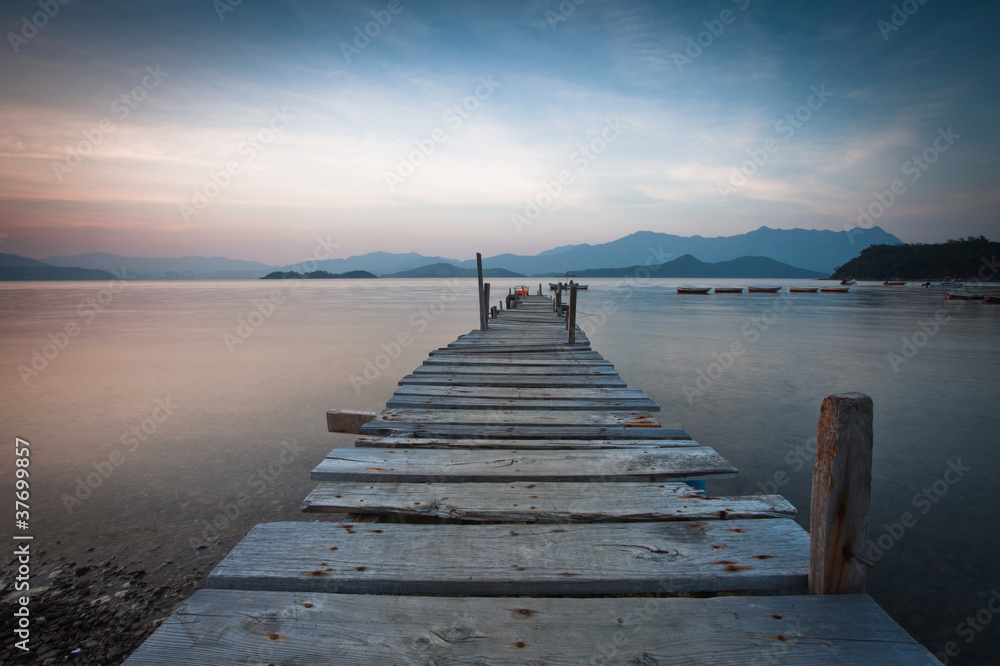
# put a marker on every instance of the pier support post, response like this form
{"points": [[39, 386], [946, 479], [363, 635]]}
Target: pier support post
{"points": [[571, 319], [841, 495], [482, 301], [486, 305]]}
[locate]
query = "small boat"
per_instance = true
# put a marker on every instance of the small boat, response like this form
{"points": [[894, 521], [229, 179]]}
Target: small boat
{"points": [[893, 283], [763, 290], [848, 280], [581, 286], [964, 297], [803, 290], [991, 298], [833, 290], [729, 290], [553, 286], [693, 290]]}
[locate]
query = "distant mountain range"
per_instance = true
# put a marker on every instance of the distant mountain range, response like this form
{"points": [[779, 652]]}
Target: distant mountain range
{"points": [[166, 268], [450, 270], [813, 250], [689, 267]]}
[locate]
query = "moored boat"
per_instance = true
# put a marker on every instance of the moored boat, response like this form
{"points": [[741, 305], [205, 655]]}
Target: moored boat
{"points": [[803, 290], [763, 290], [991, 298], [848, 280], [964, 297], [833, 290], [893, 283], [729, 290], [693, 290]]}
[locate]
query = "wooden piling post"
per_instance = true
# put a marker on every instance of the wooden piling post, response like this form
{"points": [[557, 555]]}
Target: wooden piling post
{"points": [[482, 301], [841, 495], [572, 313], [559, 299], [486, 304]]}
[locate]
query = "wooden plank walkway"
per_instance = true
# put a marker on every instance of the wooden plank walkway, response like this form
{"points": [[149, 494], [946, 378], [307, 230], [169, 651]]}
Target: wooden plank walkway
{"points": [[511, 491]]}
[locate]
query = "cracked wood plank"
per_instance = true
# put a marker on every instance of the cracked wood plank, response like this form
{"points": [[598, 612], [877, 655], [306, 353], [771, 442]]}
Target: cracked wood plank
{"points": [[489, 560], [543, 502], [446, 443], [506, 465], [224, 627]]}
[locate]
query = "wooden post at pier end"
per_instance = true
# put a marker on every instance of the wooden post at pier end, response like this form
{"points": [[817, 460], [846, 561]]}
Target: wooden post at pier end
{"points": [[482, 301], [572, 313], [486, 304], [841, 495]]}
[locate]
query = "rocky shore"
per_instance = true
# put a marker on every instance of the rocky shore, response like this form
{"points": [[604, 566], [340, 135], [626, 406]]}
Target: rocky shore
{"points": [[95, 611]]}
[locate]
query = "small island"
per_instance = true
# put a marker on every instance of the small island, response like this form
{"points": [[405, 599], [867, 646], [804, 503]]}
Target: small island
{"points": [[317, 275], [971, 258]]}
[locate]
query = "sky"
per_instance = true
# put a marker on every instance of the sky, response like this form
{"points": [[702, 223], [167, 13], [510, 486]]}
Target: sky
{"points": [[273, 130]]}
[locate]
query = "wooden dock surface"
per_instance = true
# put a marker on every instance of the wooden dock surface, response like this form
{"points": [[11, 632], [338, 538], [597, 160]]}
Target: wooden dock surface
{"points": [[511, 492]]}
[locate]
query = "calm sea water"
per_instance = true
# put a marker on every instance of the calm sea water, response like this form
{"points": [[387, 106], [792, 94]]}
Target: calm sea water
{"points": [[181, 413]]}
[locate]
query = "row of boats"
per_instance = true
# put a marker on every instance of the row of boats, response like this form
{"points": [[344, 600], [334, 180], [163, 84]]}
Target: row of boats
{"points": [[760, 290]]}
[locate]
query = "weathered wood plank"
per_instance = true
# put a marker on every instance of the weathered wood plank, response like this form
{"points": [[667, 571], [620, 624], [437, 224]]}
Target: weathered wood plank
{"points": [[524, 393], [508, 465], [636, 419], [339, 420], [225, 627], [514, 349], [458, 402], [452, 357], [523, 381], [519, 370], [544, 502], [490, 560], [445, 443], [519, 432]]}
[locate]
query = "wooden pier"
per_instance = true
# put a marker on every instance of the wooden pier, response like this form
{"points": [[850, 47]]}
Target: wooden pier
{"points": [[517, 503]]}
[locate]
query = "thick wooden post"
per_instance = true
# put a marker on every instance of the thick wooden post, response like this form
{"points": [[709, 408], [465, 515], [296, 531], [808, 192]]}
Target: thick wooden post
{"points": [[486, 304], [482, 301], [841, 495], [559, 299], [571, 324]]}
